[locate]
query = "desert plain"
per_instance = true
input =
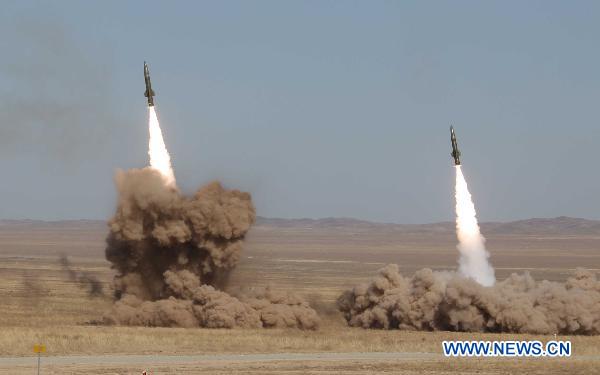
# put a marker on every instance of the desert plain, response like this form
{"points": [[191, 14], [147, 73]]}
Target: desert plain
{"points": [[42, 303]]}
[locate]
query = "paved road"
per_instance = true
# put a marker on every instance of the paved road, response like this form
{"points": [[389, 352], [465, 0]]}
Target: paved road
{"points": [[181, 359]]}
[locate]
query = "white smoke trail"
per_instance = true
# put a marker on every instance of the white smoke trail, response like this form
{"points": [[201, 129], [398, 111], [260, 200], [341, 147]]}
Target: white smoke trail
{"points": [[473, 260], [159, 156]]}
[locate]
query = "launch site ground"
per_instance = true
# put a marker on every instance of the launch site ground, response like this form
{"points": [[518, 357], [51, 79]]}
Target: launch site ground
{"points": [[318, 259]]}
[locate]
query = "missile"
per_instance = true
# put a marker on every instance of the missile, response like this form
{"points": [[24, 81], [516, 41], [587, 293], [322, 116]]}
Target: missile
{"points": [[455, 153], [149, 93]]}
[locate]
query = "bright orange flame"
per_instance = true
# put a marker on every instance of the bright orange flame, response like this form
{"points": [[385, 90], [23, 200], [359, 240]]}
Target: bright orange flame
{"points": [[473, 260], [159, 156]]}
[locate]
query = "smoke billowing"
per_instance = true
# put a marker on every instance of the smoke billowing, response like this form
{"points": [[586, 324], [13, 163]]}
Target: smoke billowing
{"points": [[447, 301], [473, 261], [173, 254]]}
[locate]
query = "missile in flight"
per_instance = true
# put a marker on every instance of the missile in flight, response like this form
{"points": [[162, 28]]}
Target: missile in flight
{"points": [[149, 93], [455, 152]]}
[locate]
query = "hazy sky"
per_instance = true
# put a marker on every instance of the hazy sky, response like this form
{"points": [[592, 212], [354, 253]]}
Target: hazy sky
{"points": [[317, 108]]}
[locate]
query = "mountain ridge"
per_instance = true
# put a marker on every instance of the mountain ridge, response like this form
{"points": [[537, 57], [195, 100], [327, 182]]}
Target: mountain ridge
{"points": [[562, 225]]}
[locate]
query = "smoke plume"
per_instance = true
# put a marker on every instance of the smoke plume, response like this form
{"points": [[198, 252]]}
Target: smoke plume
{"points": [[32, 289], [473, 261], [56, 90], [173, 253], [84, 279], [448, 301]]}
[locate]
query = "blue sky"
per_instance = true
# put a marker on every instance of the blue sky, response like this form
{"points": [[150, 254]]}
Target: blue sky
{"points": [[317, 108]]}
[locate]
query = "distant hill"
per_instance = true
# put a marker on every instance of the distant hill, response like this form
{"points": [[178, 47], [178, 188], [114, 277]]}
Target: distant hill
{"points": [[52, 225], [342, 223], [563, 225], [541, 226]]}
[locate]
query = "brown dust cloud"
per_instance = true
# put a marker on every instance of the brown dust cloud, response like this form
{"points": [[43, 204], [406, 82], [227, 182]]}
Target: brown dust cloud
{"points": [[173, 254], [471, 299]]}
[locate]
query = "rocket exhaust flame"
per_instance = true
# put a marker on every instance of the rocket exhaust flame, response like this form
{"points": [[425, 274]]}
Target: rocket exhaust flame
{"points": [[159, 156], [157, 151], [473, 260], [173, 253], [471, 300]]}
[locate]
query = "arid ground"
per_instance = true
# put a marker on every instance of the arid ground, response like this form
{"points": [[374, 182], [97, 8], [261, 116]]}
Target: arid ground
{"points": [[40, 301]]}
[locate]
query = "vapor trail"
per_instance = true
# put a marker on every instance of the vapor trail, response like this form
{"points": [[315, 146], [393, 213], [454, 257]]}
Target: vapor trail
{"points": [[473, 260], [159, 156]]}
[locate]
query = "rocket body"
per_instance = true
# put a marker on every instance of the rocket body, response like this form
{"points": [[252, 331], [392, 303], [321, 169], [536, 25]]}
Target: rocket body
{"points": [[149, 93], [455, 152]]}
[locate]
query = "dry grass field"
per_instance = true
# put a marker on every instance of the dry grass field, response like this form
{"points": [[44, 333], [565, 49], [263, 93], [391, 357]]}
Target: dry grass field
{"points": [[40, 303]]}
